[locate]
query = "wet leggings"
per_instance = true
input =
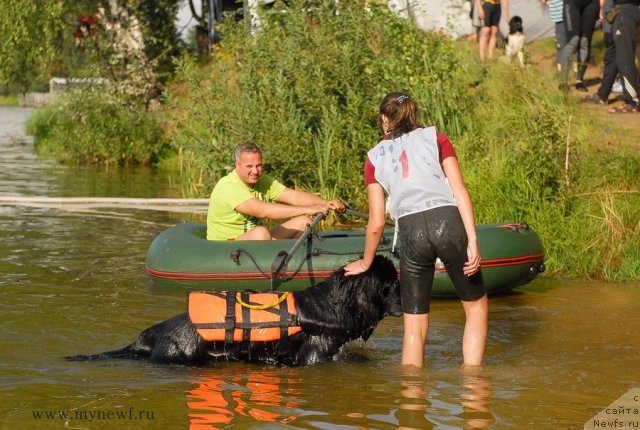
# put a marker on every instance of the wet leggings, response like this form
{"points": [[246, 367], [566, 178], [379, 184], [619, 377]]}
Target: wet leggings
{"points": [[425, 236], [580, 18]]}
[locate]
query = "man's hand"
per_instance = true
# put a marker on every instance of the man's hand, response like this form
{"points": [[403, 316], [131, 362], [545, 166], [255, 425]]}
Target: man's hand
{"points": [[336, 205], [313, 210]]}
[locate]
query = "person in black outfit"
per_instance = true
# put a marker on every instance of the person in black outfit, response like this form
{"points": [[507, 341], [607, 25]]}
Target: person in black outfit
{"points": [[580, 18], [610, 65], [625, 28]]}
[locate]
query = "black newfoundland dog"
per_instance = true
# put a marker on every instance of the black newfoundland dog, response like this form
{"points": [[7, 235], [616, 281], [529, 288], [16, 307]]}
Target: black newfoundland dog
{"points": [[331, 313]]}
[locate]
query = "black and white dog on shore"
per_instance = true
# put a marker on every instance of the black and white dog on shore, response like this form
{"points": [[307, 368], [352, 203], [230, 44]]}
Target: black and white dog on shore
{"points": [[331, 313], [515, 41]]}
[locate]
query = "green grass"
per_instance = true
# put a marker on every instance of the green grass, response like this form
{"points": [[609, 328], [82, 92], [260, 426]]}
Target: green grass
{"points": [[9, 100]]}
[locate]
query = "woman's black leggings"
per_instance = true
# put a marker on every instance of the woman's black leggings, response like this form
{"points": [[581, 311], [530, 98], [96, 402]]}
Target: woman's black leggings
{"points": [[425, 236], [580, 18]]}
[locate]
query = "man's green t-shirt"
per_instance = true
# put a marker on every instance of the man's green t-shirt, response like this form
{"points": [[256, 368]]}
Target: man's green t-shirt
{"points": [[223, 220]]}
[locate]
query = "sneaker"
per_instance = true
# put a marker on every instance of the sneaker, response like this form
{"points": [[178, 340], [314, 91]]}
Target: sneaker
{"points": [[580, 86]]}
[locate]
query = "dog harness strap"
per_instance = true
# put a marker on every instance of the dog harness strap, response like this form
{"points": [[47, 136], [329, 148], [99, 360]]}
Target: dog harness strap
{"points": [[284, 327], [246, 332], [230, 319]]}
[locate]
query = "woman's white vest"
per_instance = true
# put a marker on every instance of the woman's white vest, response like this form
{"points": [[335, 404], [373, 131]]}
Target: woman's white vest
{"points": [[409, 170]]}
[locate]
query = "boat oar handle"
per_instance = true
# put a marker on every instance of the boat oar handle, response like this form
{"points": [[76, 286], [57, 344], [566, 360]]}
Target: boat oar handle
{"points": [[283, 258], [364, 215]]}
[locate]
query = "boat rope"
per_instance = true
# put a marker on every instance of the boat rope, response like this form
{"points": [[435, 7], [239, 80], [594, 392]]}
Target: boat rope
{"points": [[359, 252], [275, 303], [235, 256]]}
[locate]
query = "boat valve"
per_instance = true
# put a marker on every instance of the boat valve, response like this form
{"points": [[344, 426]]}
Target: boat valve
{"points": [[235, 256]]}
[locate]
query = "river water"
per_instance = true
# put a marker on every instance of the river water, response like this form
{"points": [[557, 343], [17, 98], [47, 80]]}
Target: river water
{"points": [[559, 351]]}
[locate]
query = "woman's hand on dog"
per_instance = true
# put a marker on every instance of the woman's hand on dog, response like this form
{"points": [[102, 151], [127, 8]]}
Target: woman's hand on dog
{"points": [[355, 268]]}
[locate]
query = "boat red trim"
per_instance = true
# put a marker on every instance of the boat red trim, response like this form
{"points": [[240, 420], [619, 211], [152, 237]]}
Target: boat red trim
{"points": [[247, 276]]}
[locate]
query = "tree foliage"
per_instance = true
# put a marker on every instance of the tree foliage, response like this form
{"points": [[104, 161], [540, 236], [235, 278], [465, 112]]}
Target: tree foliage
{"points": [[31, 33], [163, 43], [64, 38]]}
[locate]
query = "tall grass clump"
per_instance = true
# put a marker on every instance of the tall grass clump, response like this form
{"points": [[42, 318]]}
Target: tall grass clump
{"points": [[306, 88], [532, 156]]}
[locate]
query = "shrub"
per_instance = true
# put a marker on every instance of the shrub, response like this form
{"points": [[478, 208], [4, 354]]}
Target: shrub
{"points": [[89, 127], [307, 89]]}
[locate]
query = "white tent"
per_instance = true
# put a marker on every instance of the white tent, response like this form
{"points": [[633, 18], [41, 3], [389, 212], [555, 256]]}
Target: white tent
{"points": [[454, 16]]}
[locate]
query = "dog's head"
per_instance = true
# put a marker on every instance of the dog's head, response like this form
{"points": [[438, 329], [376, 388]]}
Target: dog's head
{"points": [[515, 25], [351, 307], [378, 287], [384, 276]]}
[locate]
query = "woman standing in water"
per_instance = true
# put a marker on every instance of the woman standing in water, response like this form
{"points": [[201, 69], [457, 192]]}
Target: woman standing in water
{"points": [[418, 170]]}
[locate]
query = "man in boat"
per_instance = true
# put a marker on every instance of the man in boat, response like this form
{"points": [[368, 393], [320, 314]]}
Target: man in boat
{"points": [[242, 199]]}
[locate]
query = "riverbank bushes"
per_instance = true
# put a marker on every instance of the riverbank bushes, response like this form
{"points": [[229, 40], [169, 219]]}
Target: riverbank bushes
{"points": [[306, 88], [93, 127]]}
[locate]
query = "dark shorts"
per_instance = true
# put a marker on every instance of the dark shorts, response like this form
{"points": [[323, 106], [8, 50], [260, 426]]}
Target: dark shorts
{"points": [[492, 14], [425, 236]]}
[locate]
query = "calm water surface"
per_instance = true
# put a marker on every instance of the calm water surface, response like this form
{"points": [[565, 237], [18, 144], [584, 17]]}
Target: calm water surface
{"points": [[73, 282]]}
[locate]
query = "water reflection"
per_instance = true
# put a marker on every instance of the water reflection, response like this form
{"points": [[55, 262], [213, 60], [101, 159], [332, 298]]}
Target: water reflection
{"points": [[414, 404], [476, 400], [418, 404], [261, 394]]}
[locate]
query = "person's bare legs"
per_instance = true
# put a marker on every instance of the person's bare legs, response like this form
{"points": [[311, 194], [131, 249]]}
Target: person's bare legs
{"points": [[483, 43], [493, 40], [291, 229], [416, 328], [476, 328], [257, 233]]}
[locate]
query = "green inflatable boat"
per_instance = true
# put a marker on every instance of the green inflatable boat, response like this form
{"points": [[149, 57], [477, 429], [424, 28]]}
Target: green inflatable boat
{"points": [[182, 258]]}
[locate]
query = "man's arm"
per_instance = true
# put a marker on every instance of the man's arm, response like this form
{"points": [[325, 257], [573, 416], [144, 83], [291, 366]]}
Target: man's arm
{"points": [[301, 198], [259, 209]]}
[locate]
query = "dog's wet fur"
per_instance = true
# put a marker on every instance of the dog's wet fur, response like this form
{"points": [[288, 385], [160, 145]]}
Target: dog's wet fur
{"points": [[331, 313]]}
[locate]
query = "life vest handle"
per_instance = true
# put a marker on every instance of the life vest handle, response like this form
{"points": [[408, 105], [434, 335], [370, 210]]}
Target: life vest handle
{"points": [[276, 302]]}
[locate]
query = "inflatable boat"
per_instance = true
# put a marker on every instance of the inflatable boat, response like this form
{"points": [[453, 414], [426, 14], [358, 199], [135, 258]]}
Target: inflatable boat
{"points": [[182, 258]]}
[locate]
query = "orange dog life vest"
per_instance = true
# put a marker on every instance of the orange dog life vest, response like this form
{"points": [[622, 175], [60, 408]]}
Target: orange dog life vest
{"points": [[221, 316]]}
